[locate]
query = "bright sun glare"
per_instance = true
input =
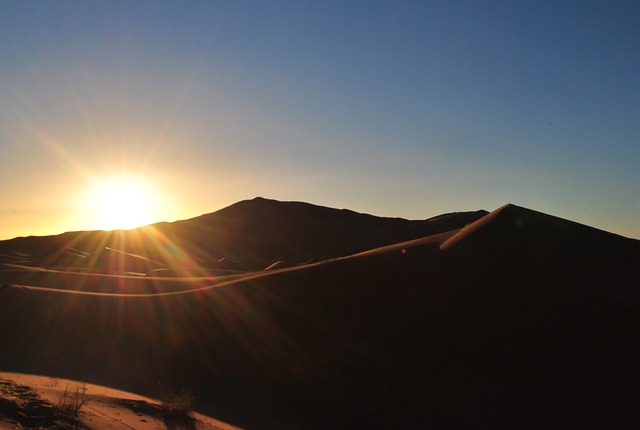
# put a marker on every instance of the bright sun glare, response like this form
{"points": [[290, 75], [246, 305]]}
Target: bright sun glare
{"points": [[119, 203]]}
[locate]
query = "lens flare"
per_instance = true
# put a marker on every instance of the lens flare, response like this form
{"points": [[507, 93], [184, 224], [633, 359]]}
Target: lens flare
{"points": [[121, 202]]}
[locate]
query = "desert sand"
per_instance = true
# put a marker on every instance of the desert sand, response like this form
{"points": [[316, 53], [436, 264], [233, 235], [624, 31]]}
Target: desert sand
{"points": [[512, 318], [31, 401]]}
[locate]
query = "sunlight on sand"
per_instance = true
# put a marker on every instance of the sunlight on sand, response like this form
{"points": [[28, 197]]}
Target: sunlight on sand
{"points": [[34, 401]]}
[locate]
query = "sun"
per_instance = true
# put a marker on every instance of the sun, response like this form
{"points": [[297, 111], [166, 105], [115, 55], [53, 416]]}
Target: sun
{"points": [[119, 202]]}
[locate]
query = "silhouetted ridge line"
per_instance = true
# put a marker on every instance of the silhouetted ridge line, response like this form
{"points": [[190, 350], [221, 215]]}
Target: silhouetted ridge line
{"points": [[562, 249], [258, 232], [248, 235], [520, 226]]}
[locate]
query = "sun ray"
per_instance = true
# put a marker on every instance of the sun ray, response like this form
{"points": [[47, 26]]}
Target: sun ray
{"points": [[119, 202]]}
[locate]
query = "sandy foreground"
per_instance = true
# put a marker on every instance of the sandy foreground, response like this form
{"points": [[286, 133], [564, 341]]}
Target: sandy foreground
{"points": [[30, 401]]}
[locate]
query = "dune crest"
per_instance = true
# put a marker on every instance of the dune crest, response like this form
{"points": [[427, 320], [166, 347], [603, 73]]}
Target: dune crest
{"points": [[519, 226]]}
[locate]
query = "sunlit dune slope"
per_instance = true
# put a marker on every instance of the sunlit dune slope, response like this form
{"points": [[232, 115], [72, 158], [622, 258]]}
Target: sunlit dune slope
{"points": [[92, 282], [33, 401], [490, 324]]}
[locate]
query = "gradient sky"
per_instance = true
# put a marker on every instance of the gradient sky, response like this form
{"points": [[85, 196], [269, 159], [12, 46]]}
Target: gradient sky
{"points": [[394, 108]]}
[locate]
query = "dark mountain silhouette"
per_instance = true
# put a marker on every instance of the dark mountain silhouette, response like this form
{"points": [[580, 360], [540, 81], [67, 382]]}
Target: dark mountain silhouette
{"points": [[248, 235], [518, 319]]}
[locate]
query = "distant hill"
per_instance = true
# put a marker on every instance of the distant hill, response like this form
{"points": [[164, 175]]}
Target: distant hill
{"points": [[248, 235]]}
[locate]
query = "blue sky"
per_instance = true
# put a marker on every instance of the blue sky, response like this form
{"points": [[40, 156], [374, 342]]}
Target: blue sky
{"points": [[394, 108]]}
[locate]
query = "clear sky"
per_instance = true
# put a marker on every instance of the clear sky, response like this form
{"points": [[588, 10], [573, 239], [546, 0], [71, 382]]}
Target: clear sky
{"points": [[394, 108]]}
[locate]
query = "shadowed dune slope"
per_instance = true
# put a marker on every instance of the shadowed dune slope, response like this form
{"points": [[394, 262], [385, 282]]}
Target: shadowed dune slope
{"points": [[525, 228], [486, 327], [560, 248]]}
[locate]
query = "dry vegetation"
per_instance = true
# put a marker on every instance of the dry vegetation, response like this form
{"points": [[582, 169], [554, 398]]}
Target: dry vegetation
{"points": [[72, 400], [176, 404]]}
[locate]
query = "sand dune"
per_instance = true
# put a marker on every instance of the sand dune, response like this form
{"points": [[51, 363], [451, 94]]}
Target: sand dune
{"points": [[529, 228], [249, 235], [514, 318], [32, 401]]}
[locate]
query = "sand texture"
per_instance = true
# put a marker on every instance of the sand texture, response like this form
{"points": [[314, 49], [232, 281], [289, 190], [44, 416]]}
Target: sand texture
{"points": [[31, 401]]}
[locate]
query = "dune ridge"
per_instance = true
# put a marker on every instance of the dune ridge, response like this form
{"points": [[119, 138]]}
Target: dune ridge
{"points": [[514, 223], [248, 235]]}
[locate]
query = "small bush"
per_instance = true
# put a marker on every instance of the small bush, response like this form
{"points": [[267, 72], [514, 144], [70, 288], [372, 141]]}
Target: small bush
{"points": [[176, 405], [71, 401]]}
